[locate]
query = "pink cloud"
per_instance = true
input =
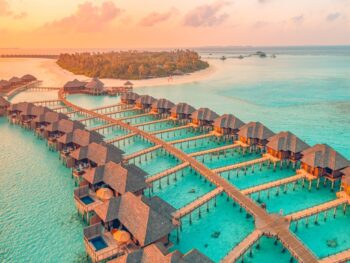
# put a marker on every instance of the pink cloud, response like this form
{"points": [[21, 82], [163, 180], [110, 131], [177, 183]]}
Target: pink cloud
{"points": [[5, 8], [156, 18], [206, 15], [88, 18], [20, 15]]}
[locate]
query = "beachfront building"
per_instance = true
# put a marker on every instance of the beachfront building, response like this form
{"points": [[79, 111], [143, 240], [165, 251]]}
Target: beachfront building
{"points": [[43, 120], [93, 155], [204, 118], [323, 161], [126, 224], [182, 112], [255, 134], [227, 125], [57, 129], [95, 87], [158, 253], [71, 141], [28, 78], [74, 86], [145, 102], [4, 105], [162, 107], [129, 98], [286, 146], [15, 110]]}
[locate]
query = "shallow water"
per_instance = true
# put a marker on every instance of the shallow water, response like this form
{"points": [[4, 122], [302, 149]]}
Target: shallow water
{"points": [[39, 222]]}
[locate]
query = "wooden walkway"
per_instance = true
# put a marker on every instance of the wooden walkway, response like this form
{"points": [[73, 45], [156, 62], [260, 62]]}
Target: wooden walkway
{"points": [[242, 247], [240, 165], [170, 129], [120, 138], [167, 172], [103, 127], [219, 149], [273, 184], [142, 152], [317, 209], [203, 136], [121, 105], [47, 102], [119, 111], [294, 245], [134, 117], [340, 257], [197, 203], [151, 122]]}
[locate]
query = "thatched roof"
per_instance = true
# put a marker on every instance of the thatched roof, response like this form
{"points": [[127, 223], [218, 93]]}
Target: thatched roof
{"points": [[146, 100], [147, 224], [28, 77], [15, 80], [130, 96], [95, 84], [50, 117], [39, 110], [162, 104], [64, 125], [4, 102], [23, 107], [128, 83], [195, 256], [228, 121], [120, 178], [323, 156], [255, 130], [4, 83], [81, 137], [75, 84], [99, 153], [204, 114], [182, 108], [346, 172], [286, 141]]}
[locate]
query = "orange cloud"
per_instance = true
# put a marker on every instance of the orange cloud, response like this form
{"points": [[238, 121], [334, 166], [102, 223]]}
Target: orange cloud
{"points": [[206, 15], [4, 8], [156, 18], [88, 18]]}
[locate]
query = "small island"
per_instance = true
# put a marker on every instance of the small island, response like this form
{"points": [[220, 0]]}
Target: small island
{"points": [[132, 64]]}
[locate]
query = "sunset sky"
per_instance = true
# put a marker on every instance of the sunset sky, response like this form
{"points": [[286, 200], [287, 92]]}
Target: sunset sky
{"points": [[170, 23]]}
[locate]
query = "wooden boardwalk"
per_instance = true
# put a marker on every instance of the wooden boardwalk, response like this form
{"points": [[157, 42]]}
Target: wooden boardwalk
{"points": [[340, 257], [119, 111], [240, 165], [199, 137], [142, 152], [273, 184], [151, 122], [242, 247], [294, 245], [118, 105], [120, 138], [167, 172], [170, 129], [317, 209], [103, 127], [134, 117], [47, 102], [215, 150], [197, 203]]}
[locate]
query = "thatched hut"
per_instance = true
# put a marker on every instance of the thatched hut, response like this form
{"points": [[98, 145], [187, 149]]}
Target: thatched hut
{"points": [[28, 78], [15, 81], [227, 125], [182, 111], [4, 85], [128, 84], [74, 86], [129, 97], [4, 104], [322, 160], [286, 146], [41, 121], [117, 177], [145, 102], [162, 107], [203, 117], [18, 111], [95, 87]]}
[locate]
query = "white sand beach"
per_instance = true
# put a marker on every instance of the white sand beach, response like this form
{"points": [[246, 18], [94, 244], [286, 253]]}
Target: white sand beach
{"points": [[53, 76]]}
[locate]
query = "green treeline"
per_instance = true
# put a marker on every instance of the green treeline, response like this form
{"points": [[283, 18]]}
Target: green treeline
{"points": [[132, 64]]}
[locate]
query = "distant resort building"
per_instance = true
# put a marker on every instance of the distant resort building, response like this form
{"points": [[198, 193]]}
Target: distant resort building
{"points": [[162, 107], [145, 102], [182, 111], [28, 78], [203, 117], [129, 98], [95, 87], [4, 105], [227, 125], [74, 86], [15, 81], [4, 86]]}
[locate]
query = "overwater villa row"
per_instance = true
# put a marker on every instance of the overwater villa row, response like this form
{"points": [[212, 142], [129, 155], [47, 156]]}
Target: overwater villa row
{"points": [[151, 176]]}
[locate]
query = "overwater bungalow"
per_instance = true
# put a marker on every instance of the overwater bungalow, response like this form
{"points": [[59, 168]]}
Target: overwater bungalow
{"points": [[162, 107], [43, 120], [345, 181], [93, 155], [158, 253], [4, 85], [15, 81], [322, 160], [182, 112], [74, 86], [28, 78], [128, 84], [203, 117], [126, 224], [95, 87], [103, 182], [4, 105], [145, 102], [255, 134], [27, 118], [15, 110], [57, 129], [227, 125], [71, 141], [286, 146], [129, 98]]}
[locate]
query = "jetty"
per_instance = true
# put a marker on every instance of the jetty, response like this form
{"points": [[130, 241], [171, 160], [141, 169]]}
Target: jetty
{"points": [[240, 165], [167, 172]]}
